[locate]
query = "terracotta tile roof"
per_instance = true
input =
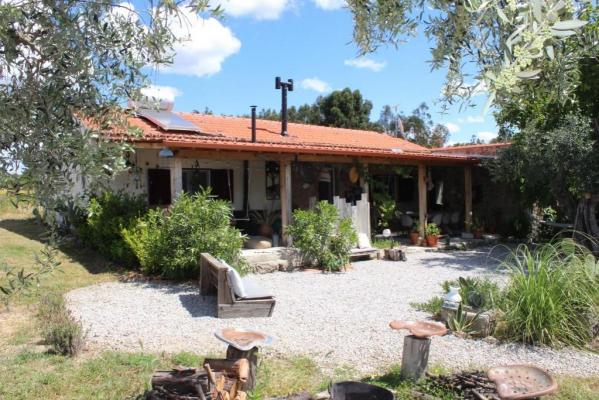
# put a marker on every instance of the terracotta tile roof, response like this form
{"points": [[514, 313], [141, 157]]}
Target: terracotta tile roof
{"points": [[479, 150], [234, 133]]}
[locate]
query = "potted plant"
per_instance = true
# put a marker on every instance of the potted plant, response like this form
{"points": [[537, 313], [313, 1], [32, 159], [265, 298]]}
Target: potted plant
{"points": [[264, 219], [431, 233], [386, 209], [477, 229], [415, 234]]}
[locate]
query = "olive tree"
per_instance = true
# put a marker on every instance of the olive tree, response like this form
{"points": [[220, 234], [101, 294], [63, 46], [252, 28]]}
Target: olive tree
{"points": [[67, 67], [537, 60], [66, 70], [496, 46]]}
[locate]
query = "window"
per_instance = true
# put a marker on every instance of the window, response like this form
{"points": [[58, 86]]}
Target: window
{"points": [[325, 186], [272, 181], [195, 179], [220, 180]]}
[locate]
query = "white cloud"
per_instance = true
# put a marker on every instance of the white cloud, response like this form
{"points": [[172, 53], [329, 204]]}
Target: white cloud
{"points": [[156, 92], [475, 119], [258, 9], [330, 4], [472, 119], [315, 84], [451, 127], [205, 45], [486, 136], [367, 63]]}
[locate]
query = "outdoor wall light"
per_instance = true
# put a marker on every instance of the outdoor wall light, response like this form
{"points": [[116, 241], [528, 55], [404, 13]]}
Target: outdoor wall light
{"points": [[166, 153]]}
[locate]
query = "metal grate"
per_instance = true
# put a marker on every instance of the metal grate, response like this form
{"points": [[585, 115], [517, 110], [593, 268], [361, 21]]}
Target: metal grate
{"points": [[168, 120]]}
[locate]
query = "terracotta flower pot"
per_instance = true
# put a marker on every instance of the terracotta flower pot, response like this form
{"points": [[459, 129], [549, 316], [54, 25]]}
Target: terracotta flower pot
{"points": [[265, 230], [415, 238], [432, 241]]}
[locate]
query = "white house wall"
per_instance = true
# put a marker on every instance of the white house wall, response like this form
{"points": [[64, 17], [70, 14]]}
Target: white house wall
{"points": [[148, 159]]}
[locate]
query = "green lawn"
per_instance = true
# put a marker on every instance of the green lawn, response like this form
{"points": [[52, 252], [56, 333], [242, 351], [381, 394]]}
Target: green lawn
{"points": [[27, 371]]}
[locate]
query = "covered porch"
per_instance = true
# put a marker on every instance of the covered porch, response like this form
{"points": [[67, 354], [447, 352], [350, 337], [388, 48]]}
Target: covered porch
{"points": [[426, 190]]}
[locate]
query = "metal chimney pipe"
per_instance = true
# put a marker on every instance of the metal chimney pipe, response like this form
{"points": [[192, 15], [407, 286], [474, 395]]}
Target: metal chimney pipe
{"points": [[253, 123], [284, 86], [284, 113]]}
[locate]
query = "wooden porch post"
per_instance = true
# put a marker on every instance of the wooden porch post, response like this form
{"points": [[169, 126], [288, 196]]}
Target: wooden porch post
{"points": [[468, 198], [366, 195], [422, 198], [285, 195], [176, 177]]}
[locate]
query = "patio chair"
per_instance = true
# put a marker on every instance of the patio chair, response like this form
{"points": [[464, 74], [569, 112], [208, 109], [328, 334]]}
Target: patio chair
{"points": [[215, 278]]}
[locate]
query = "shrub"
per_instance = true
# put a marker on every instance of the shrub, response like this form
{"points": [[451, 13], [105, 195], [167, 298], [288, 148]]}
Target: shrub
{"points": [[169, 243], [383, 243], [322, 236], [59, 328], [479, 293], [432, 306], [105, 218], [552, 295]]}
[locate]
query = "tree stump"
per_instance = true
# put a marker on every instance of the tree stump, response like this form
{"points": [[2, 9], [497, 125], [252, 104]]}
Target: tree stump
{"points": [[395, 254], [414, 360], [234, 354]]}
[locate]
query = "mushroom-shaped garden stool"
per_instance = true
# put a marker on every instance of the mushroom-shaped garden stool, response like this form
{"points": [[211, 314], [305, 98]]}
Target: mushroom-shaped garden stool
{"points": [[416, 346], [521, 381], [244, 344]]}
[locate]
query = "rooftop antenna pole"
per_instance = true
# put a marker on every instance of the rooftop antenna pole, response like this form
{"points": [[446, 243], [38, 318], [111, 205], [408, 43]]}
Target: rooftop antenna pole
{"points": [[284, 86]]}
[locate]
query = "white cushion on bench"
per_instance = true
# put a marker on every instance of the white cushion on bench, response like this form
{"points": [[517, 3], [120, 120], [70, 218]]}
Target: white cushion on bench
{"points": [[234, 280], [253, 290], [244, 288]]}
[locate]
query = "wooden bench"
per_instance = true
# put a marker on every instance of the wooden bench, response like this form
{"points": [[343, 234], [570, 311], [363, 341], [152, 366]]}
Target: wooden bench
{"points": [[370, 253], [214, 280]]}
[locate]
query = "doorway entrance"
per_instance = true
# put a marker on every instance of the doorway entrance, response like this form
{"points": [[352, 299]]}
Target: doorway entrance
{"points": [[159, 187]]}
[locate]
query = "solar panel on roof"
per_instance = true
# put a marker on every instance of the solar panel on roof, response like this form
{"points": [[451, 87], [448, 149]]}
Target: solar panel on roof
{"points": [[167, 120]]}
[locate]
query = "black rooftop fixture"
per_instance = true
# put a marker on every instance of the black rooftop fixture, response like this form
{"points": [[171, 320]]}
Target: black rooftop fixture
{"points": [[284, 86], [253, 123]]}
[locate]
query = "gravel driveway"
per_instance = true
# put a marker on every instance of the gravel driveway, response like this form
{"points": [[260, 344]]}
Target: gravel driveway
{"points": [[337, 319]]}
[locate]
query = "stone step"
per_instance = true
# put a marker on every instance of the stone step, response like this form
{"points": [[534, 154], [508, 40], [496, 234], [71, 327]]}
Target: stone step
{"points": [[273, 259]]}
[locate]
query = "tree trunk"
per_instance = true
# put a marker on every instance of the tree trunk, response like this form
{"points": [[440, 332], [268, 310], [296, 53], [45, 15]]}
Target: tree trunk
{"points": [[586, 223], [414, 359]]}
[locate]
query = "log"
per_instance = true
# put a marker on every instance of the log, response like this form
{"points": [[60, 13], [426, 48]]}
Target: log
{"points": [[234, 354], [414, 360], [188, 382], [239, 369]]}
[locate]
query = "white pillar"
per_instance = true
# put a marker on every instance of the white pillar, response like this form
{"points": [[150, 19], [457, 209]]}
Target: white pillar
{"points": [[422, 203], [468, 198], [285, 195], [176, 177]]}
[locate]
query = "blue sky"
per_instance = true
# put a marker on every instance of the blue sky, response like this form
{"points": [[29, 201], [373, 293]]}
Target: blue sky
{"points": [[230, 64]]}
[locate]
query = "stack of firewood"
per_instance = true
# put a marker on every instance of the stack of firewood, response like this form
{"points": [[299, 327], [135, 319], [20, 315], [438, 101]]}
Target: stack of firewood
{"points": [[229, 384], [470, 385], [219, 380]]}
